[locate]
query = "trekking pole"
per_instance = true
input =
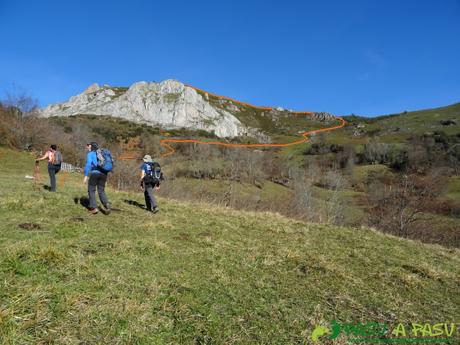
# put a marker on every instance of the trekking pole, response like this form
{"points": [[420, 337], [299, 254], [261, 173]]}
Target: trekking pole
{"points": [[36, 176]]}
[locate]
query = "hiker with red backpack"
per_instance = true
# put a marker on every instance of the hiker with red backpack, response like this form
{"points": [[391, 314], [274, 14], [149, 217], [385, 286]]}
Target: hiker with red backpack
{"points": [[99, 163], [151, 177], [54, 157]]}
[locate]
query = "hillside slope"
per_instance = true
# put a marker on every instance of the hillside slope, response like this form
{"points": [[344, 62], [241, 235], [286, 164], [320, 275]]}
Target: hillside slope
{"points": [[197, 274], [400, 127]]}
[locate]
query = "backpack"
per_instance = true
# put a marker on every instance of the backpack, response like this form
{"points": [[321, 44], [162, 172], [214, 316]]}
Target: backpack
{"points": [[104, 161], [57, 158], [153, 175]]}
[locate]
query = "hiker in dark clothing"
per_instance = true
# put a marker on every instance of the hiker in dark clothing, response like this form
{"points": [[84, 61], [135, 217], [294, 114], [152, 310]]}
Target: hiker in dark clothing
{"points": [[150, 179], [96, 179], [54, 164]]}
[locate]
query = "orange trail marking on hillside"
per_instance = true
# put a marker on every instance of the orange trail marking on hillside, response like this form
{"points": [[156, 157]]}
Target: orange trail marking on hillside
{"points": [[304, 136]]}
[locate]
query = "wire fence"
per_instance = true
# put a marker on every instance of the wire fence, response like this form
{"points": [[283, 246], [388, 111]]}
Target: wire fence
{"points": [[66, 167]]}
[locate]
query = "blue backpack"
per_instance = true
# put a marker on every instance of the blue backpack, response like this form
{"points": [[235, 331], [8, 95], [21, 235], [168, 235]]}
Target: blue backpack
{"points": [[153, 175], [104, 160]]}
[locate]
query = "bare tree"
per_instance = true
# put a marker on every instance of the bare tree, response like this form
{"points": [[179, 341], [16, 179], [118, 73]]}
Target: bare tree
{"points": [[19, 119], [396, 202], [20, 101], [376, 153], [126, 176], [303, 202], [333, 203]]}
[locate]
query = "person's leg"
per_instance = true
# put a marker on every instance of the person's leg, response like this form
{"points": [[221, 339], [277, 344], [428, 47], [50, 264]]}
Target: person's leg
{"points": [[52, 173], [102, 179], [148, 205], [57, 168], [152, 200], [92, 183], [147, 199]]}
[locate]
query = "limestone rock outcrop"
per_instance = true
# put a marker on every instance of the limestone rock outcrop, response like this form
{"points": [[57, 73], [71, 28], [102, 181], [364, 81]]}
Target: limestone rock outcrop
{"points": [[169, 104]]}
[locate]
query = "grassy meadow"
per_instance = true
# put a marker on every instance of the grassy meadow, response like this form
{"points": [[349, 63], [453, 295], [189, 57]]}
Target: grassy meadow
{"points": [[197, 273]]}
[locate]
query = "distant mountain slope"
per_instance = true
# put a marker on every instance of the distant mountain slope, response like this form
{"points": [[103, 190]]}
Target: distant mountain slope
{"points": [[171, 104], [397, 127]]}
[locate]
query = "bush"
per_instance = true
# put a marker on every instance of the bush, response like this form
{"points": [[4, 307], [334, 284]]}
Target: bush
{"points": [[126, 176]]}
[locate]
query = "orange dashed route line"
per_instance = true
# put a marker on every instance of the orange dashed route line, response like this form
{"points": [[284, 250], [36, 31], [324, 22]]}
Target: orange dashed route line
{"points": [[304, 136]]}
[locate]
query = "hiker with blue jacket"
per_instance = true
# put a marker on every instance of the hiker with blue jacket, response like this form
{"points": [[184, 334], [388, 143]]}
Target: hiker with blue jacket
{"points": [[151, 177], [96, 179]]}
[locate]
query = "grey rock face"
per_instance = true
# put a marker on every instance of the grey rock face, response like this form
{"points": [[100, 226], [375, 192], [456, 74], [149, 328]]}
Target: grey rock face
{"points": [[169, 104], [323, 116]]}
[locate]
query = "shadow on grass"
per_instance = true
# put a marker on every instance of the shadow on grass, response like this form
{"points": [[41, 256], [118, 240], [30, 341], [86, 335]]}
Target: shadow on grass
{"points": [[48, 188], [83, 201], [134, 203]]}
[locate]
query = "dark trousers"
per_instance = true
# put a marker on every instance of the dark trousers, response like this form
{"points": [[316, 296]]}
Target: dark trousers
{"points": [[52, 171], [150, 201], [97, 180]]}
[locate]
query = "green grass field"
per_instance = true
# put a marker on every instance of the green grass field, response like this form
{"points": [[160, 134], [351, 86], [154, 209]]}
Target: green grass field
{"points": [[198, 274]]}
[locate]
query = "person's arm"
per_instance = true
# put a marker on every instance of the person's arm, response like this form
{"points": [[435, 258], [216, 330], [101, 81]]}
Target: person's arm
{"points": [[45, 156], [89, 165], [142, 177]]}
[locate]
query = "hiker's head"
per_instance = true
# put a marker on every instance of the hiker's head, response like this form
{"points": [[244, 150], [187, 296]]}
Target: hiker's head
{"points": [[147, 159], [92, 146], [54, 147]]}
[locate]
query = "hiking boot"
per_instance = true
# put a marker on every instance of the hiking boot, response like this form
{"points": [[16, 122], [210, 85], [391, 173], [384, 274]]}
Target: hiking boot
{"points": [[108, 209], [93, 210]]}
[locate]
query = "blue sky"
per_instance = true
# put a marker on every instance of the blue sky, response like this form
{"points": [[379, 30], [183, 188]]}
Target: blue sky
{"points": [[364, 57]]}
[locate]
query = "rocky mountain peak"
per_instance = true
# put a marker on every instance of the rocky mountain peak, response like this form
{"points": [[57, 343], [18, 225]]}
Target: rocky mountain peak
{"points": [[169, 104], [92, 88]]}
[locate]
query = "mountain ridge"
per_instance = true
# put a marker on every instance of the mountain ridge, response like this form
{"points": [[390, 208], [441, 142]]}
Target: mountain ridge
{"points": [[172, 104], [168, 103]]}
